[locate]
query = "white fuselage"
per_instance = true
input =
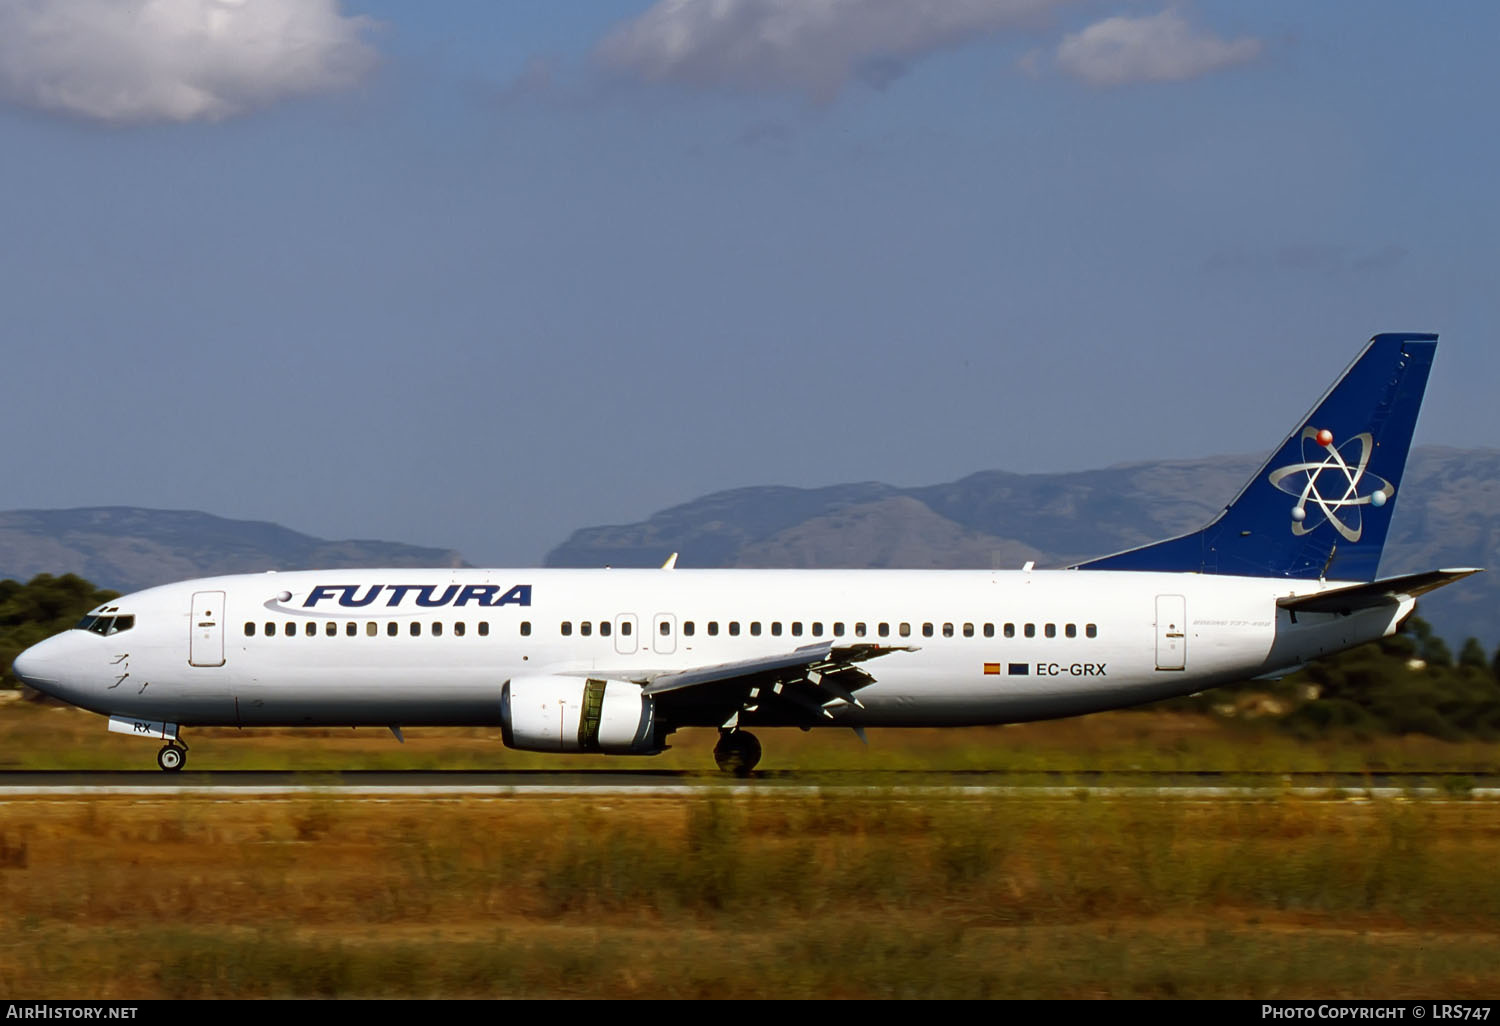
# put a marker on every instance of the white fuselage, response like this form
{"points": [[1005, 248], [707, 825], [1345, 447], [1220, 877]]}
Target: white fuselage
{"points": [[435, 647]]}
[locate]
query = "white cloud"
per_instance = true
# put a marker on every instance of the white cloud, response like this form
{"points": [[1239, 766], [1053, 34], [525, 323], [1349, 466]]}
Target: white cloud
{"points": [[132, 61], [812, 46], [1156, 48]]}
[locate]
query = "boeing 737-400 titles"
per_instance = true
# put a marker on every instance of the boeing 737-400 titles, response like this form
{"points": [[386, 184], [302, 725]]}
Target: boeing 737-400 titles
{"points": [[614, 661]]}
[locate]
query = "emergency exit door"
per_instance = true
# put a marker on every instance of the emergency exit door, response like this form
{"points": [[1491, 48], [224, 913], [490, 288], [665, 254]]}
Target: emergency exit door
{"points": [[206, 645]]}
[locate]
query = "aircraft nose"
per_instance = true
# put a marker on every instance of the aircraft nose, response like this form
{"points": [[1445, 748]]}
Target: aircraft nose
{"points": [[38, 665]]}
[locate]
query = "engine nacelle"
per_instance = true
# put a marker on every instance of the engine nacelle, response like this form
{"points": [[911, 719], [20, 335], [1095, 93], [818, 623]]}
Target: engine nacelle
{"points": [[570, 714]]}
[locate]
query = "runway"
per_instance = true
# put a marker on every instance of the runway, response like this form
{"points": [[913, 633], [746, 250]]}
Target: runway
{"points": [[230, 784]]}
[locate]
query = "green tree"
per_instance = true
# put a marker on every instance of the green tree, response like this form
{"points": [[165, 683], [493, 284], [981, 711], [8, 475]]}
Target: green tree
{"points": [[1473, 655], [39, 609], [1405, 684]]}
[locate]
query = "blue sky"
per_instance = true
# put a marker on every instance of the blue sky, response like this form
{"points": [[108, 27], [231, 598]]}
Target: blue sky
{"points": [[478, 274]]}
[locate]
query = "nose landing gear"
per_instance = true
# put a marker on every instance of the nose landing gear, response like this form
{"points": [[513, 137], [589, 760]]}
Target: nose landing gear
{"points": [[171, 757], [737, 752]]}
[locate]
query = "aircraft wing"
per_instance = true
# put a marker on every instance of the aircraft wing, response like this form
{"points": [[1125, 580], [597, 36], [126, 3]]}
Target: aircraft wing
{"points": [[807, 680], [1375, 593]]}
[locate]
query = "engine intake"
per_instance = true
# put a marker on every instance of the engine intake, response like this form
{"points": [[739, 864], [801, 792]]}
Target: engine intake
{"points": [[565, 714]]}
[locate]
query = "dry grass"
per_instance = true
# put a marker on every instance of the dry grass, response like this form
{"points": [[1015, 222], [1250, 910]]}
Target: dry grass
{"points": [[754, 897], [51, 737]]}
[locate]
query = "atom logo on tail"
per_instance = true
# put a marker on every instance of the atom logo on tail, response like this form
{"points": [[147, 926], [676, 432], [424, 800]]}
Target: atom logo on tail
{"points": [[1340, 506]]}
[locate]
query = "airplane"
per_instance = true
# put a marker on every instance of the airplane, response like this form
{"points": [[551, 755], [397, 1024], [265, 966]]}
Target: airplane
{"points": [[614, 660]]}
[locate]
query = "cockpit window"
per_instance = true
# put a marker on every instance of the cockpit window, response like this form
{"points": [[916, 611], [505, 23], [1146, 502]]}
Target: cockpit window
{"points": [[105, 625]]}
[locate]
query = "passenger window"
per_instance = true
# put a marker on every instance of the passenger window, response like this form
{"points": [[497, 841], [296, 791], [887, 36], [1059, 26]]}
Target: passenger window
{"points": [[859, 630], [838, 629], [416, 628], [270, 629], [1010, 630], [734, 627], [311, 630], [1071, 630], [585, 628], [989, 630], [351, 629], [905, 630], [1090, 631], [688, 628], [437, 628], [604, 628], [775, 628], [666, 628], [968, 630], [927, 630], [567, 628], [755, 628], [1050, 630], [331, 629], [392, 629], [713, 628], [817, 630], [371, 629], [796, 628], [459, 629], [289, 629], [249, 630], [1030, 630], [484, 628], [884, 630], [625, 628]]}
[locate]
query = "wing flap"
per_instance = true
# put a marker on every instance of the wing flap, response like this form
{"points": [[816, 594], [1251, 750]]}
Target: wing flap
{"points": [[804, 656], [821, 661]]}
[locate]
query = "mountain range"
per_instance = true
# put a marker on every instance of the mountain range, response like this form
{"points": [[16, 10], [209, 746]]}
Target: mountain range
{"points": [[126, 548]]}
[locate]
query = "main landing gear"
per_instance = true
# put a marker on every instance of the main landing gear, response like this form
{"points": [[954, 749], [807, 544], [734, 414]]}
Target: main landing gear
{"points": [[737, 752], [171, 757]]}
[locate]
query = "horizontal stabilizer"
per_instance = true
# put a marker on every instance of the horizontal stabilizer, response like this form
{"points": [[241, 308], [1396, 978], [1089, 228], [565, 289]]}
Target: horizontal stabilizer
{"points": [[1376, 593]]}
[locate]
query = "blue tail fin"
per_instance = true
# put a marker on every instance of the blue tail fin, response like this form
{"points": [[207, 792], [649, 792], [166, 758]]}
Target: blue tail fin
{"points": [[1321, 505]]}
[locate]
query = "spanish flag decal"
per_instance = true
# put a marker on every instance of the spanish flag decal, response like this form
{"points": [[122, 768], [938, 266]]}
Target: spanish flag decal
{"points": [[991, 668]]}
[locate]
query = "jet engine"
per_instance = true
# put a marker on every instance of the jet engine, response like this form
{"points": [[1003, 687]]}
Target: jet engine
{"points": [[571, 714]]}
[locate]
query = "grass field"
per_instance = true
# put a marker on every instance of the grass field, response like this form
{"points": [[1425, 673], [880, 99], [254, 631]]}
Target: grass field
{"points": [[874, 895], [751, 897]]}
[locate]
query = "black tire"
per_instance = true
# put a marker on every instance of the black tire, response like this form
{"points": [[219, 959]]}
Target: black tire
{"points": [[171, 758], [737, 752]]}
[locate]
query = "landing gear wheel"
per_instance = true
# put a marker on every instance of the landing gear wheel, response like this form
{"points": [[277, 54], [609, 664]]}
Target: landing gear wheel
{"points": [[171, 758], [737, 752]]}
